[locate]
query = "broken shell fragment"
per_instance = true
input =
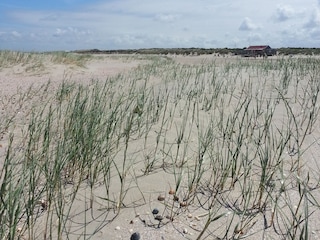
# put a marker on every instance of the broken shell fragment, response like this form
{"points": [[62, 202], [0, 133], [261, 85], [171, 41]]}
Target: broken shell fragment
{"points": [[44, 204]]}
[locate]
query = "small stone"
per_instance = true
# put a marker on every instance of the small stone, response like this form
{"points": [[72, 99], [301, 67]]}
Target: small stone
{"points": [[159, 218], [155, 211], [197, 218], [117, 228], [138, 215], [135, 236], [189, 215], [185, 231]]}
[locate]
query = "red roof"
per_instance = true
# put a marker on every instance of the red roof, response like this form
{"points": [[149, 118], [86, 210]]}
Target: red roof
{"points": [[257, 47]]}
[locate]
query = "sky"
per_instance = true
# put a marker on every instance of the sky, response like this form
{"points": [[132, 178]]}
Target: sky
{"points": [[38, 25]]}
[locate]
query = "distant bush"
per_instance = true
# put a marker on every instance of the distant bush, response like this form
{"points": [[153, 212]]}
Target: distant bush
{"points": [[198, 51], [304, 51]]}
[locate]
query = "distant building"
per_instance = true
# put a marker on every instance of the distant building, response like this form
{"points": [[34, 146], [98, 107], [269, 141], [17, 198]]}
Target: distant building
{"points": [[258, 51]]}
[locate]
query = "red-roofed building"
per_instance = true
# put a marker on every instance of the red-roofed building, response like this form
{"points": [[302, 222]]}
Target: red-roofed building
{"points": [[261, 50]]}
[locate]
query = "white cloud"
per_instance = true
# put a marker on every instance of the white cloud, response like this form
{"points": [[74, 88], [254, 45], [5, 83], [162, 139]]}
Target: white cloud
{"points": [[254, 38], [247, 25], [50, 17], [71, 32], [315, 34], [283, 13], [59, 32], [314, 20], [15, 34], [166, 17]]}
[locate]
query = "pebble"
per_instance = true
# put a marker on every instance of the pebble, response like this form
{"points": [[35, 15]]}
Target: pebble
{"points": [[155, 211], [189, 215], [159, 218], [185, 231], [135, 236], [117, 228], [161, 198], [197, 218]]}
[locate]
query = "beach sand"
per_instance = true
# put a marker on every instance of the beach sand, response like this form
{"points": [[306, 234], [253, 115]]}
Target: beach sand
{"points": [[95, 218]]}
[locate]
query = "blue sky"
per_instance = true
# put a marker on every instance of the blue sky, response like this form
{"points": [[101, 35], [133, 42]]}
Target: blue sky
{"points": [[123, 24]]}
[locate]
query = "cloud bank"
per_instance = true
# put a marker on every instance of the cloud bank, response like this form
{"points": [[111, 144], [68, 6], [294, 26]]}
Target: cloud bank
{"points": [[125, 24]]}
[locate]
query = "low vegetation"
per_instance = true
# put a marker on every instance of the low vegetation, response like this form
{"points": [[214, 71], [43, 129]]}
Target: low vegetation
{"points": [[237, 141], [32, 60], [199, 51]]}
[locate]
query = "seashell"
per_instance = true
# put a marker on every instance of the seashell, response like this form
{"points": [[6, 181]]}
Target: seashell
{"points": [[172, 192], [183, 204]]}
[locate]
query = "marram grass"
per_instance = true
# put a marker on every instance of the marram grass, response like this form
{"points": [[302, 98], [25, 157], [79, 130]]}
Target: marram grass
{"points": [[231, 137]]}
